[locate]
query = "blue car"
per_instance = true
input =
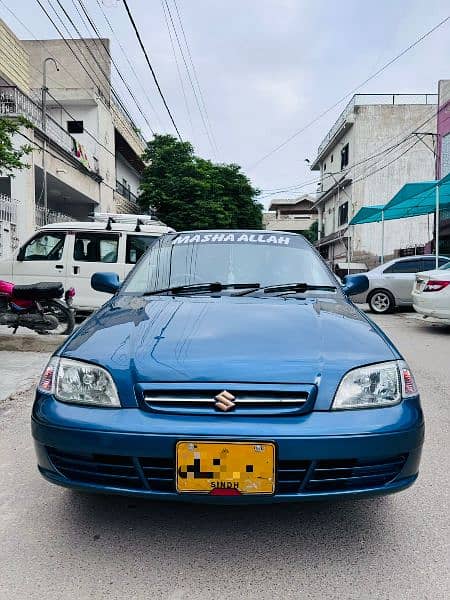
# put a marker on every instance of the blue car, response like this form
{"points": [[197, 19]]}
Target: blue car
{"points": [[230, 366]]}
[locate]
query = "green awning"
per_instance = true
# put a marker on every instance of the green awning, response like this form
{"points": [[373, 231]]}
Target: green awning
{"points": [[412, 200], [367, 214], [416, 199]]}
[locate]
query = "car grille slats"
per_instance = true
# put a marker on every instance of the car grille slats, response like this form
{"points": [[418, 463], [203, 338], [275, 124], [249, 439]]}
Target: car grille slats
{"points": [[249, 399], [292, 476], [116, 471], [159, 473], [351, 474]]}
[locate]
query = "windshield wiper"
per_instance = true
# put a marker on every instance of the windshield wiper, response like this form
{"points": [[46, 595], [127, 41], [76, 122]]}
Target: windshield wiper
{"points": [[296, 288], [202, 287]]}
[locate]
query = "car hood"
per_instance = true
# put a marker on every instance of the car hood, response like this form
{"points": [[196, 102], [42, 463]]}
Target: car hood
{"points": [[228, 339]]}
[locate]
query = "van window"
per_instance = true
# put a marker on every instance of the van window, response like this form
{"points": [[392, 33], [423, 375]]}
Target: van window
{"points": [[45, 246], [136, 247], [96, 247]]}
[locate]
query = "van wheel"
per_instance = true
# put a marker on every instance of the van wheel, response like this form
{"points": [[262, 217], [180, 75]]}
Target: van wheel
{"points": [[381, 302]]}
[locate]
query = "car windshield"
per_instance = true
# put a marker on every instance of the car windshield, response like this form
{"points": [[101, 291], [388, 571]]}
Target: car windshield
{"points": [[445, 267], [229, 258]]}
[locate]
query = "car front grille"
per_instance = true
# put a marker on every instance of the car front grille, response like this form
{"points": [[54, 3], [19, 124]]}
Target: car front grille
{"points": [[248, 402], [158, 474]]}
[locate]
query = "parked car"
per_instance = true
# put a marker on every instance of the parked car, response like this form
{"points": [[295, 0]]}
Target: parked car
{"points": [[431, 294], [391, 284], [71, 252], [230, 366]]}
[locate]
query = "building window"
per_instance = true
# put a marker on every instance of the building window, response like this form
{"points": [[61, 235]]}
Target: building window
{"points": [[344, 157], [75, 126], [324, 166], [343, 214], [331, 158]]}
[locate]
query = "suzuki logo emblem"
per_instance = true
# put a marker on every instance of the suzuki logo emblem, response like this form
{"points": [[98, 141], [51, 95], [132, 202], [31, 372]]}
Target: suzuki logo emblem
{"points": [[225, 401]]}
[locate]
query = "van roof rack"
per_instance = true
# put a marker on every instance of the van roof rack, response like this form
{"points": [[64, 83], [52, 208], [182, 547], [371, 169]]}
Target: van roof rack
{"points": [[126, 219]]}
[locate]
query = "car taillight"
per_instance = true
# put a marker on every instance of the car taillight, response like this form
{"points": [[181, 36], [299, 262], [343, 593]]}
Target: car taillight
{"points": [[435, 285]]}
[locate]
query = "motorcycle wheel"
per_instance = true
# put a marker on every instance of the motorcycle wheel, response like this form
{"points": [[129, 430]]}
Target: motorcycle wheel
{"points": [[64, 315]]}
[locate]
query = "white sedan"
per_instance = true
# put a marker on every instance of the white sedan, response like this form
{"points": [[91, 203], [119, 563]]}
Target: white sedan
{"points": [[431, 293]]}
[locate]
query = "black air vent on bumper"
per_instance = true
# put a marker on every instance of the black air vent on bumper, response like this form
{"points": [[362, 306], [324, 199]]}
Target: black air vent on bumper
{"points": [[292, 476], [345, 474], [111, 470]]}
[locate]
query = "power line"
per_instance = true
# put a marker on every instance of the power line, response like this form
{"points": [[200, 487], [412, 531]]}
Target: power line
{"points": [[85, 130], [130, 64], [350, 93], [96, 83], [92, 24], [388, 164], [68, 45], [89, 133], [188, 111], [155, 79], [380, 153], [89, 91], [194, 71], [80, 167], [100, 68]]}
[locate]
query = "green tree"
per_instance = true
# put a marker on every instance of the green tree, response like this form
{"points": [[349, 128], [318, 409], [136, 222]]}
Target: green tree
{"points": [[11, 159], [311, 234], [189, 192]]}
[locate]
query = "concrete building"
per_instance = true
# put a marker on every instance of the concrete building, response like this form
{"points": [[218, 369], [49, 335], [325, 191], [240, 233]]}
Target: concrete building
{"points": [[443, 158], [291, 214], [85, 141], [378, 143]]}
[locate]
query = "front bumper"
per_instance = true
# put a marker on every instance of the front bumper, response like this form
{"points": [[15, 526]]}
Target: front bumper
{"points": [[319, 455]]}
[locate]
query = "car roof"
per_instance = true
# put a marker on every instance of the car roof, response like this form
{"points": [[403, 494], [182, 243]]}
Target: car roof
{"points": [[98, 226]]}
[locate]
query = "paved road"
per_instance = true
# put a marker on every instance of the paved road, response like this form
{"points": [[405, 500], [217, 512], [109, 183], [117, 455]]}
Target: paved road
{"points": [[19, 370], [56, 544]]}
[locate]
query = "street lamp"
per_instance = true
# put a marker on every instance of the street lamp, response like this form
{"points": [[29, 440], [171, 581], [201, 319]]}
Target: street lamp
{"points": [[44, 128]]}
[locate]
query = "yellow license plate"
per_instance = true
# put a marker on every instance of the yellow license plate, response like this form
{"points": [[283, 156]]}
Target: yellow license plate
{"points": [[226, 467]]}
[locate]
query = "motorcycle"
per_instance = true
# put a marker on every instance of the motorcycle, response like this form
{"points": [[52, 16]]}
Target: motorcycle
{"points": [[37, 307]]}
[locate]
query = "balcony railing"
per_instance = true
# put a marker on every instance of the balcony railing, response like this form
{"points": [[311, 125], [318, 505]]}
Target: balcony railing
{"points": [[45, 216], [369, 99], [14, 103], [8, 226], [126, 193]]}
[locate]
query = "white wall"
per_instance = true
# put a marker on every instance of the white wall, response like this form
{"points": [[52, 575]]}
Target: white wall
{"points": [[376, 128], [22, 190], [125, 171]]}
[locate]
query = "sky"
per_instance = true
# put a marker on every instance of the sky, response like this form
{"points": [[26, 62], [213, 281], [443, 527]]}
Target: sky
{"points": [[266, 68]]}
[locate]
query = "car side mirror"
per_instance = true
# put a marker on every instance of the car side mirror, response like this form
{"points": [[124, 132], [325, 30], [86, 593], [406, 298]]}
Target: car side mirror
{"points": [[105, 282], [21, 254], [355, 284]]}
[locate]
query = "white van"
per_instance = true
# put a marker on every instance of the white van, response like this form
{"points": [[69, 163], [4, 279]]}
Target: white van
{"points": [[71, 252]]}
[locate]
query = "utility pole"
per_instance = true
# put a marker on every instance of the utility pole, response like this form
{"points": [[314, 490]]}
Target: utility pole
{"points": [[44, 129], [436, 224]]}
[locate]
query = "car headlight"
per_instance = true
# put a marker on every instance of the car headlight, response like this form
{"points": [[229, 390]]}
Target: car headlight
{"points": [[77, 382], [375, 386]]}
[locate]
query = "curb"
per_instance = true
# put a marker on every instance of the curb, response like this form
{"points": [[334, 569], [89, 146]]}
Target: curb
{"points": [[31, 343]]}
